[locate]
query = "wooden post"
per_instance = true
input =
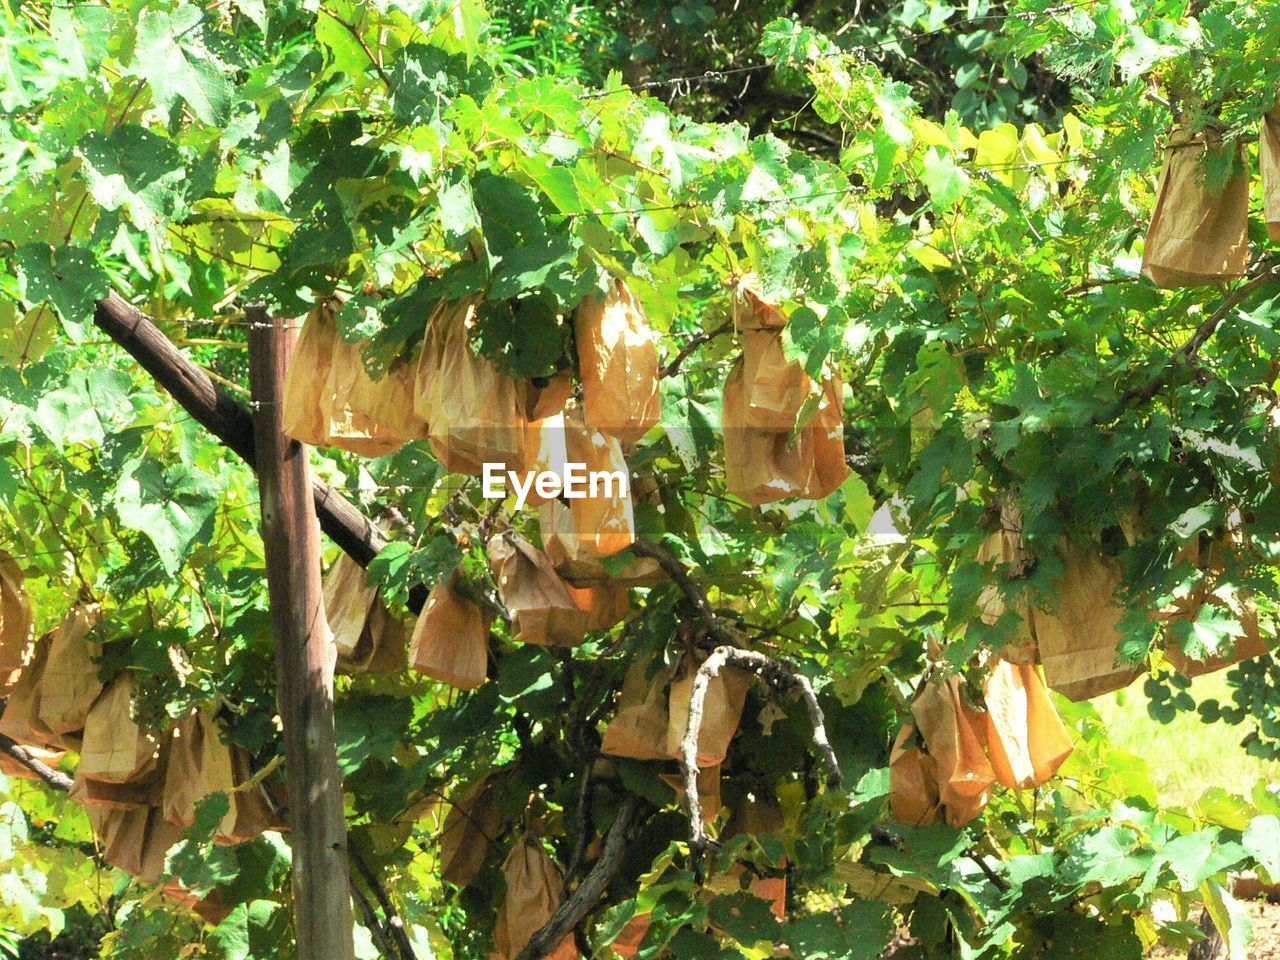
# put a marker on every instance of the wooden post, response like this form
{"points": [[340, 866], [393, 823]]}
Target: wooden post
{"points": [[304, 657]]}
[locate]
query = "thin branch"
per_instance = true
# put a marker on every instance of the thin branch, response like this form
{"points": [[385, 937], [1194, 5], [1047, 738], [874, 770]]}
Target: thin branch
{"points": [[779, 674], [1186, 353], [394, 924], [671, 368], [54, 778], [673, 568], [573, 910], [371, 921]]}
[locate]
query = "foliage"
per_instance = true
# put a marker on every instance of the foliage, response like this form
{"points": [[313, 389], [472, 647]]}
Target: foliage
{"points": [[973, 272]]}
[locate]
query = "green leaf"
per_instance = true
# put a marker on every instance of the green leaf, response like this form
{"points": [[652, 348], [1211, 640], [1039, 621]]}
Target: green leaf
{"points": [[947, 183], [135, 169], [1262, 841], [70, 279], [170, 505], [172, 57]]}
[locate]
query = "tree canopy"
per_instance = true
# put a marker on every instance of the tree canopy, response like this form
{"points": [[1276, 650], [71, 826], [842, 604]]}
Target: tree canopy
{"points": [[949, 205]]}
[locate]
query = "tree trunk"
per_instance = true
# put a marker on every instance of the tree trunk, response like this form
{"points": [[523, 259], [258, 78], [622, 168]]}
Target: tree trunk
{"points": [[304, 658]]}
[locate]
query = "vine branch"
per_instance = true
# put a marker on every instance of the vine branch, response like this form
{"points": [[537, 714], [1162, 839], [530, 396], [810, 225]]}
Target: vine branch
{"points": [[779, 674], [1136, 396], [54, 778], [575, 908]]}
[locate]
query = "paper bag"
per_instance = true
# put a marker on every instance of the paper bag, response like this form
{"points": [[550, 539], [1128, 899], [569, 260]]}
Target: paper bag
{"points": [[368, 638], [542, 609], [1078, 639], [116, 749], [953, 735], [913, 782], [823, 439], [604, 521], [70, 683], [618, 363], [473, 825], [1026, 739], [750, 310], [451, 639], [199, 764], [305, 410], [476, 413], [761, 466], [533, 894], [546, 396], [370, 417], [775, 388], [20, 719], [1199, 230], [721, 711], [251, 809], [581, 566], [15, 615], [136, 841], [639, 725]]}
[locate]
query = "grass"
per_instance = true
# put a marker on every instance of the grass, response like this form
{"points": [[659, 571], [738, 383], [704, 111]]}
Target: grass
{"points": [[1185, 756]]}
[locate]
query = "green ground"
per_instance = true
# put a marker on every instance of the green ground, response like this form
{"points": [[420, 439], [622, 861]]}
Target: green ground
{"points": [[1185, 756]]}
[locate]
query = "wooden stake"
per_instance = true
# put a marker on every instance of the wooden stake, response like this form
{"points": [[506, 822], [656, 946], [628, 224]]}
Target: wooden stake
{"points": [[304, 658]]}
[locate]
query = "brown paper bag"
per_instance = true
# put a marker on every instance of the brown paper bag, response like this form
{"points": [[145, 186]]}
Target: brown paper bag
{"points": [[136, 841], [618, 362], [1078, 640], [548, 453], [473, 825], [70, 683], [721, 711], [20, 719], [1004, 549], [199, 764], [1026, 739], [913, 782], [823, 439], [368, 638], [542, 609], [451, 639], [775, 387], [370, 417], [251, 808], [579, 565], [953, 735], [116, 749], [546, 396], [533, 894], [627, 943], [305, 416], [1199, 231], [476, 413], [750, 310], [1269, 157], [639, 725], [15, 615], [603, 605], [761, 466], [604, 521]]}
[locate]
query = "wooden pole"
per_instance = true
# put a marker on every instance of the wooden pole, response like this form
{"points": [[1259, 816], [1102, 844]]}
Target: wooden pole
{"points": [[304, 658]]}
